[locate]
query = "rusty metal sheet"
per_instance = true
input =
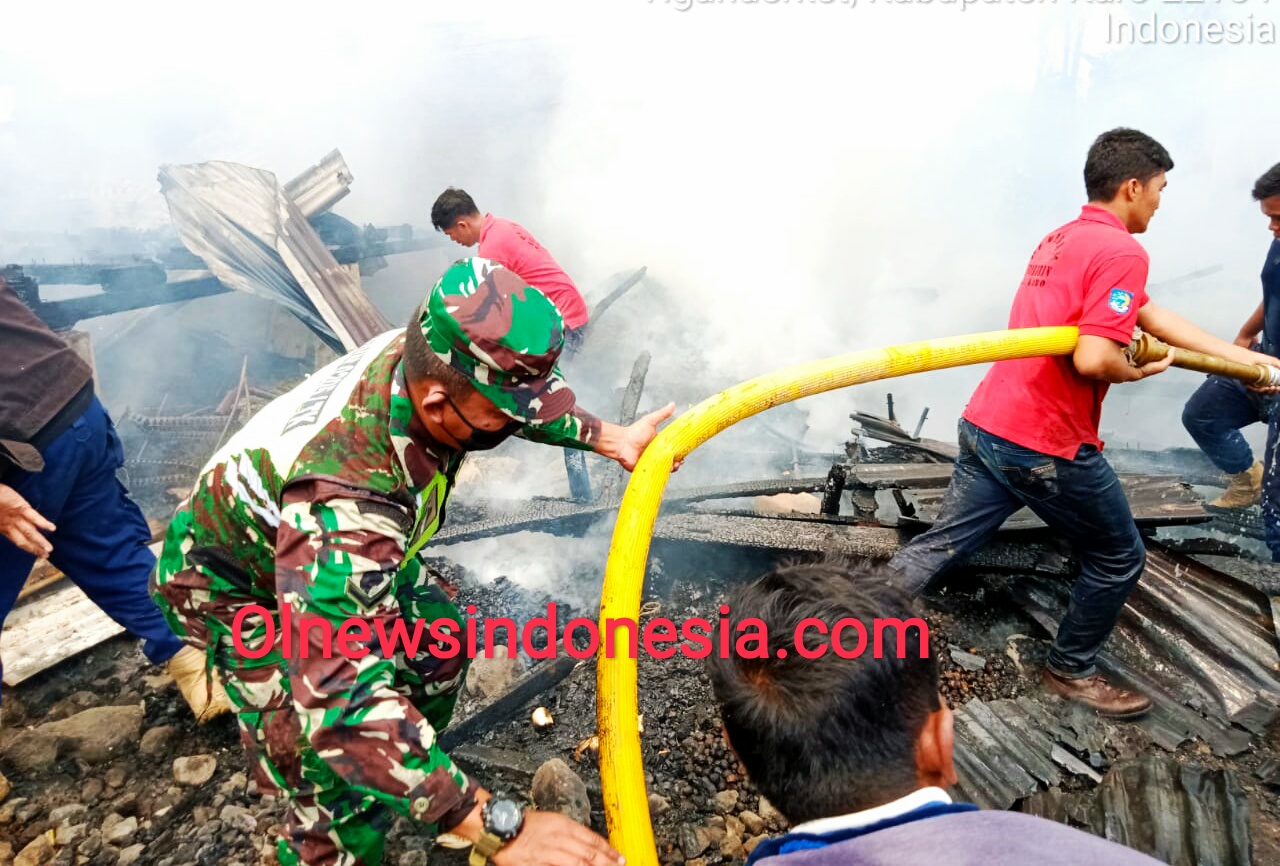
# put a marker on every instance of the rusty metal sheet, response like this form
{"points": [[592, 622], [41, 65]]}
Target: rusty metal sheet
{"points": [[254, 238], [1181, 814], [1007, 750], [1199, 642]]}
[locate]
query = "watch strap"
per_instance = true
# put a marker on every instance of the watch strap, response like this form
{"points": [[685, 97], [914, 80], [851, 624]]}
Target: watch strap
{"points": [[485, 847]]}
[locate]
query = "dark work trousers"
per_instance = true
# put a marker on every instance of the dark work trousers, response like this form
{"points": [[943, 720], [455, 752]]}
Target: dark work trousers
{"points": [[1214, 415], [101, 540], [1079, 499]]}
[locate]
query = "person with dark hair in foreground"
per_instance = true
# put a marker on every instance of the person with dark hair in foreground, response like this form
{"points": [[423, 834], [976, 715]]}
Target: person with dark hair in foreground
{"points": [[856, 750], [1221, 406], [318, 510], [1029, 436]]}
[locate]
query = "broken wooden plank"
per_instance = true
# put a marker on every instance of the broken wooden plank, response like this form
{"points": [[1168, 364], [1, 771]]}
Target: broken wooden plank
{"points": [[1154, 501], [882, 476], [48, 629], [50, 625], [612, 298], [612, 477], [42, 575], [890, 431], [514, 768], [811, 534]]}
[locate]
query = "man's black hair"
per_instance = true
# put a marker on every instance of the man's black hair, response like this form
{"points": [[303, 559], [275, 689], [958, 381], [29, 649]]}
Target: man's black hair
{"points": [[830, 735], [1119, 155], [1268, 185], [452, 205]]}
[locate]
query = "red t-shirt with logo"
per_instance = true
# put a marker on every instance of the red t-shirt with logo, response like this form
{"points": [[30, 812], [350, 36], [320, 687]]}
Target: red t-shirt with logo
{"points": [[509, 245], [1090, 273]]}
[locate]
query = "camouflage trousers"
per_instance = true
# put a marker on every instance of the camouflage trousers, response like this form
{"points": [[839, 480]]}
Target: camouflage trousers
{"points": [[329, 822]]}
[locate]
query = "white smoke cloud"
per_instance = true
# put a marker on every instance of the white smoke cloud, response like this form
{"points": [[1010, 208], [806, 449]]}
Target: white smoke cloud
{"points": [[805, 179]]}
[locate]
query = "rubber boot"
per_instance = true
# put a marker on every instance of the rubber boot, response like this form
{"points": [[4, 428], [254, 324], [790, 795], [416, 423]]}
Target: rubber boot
{"points": [[200, 686], [1244, 490]]}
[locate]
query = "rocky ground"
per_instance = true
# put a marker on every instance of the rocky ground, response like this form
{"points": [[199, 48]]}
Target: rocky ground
{"points": [[107, 767]]}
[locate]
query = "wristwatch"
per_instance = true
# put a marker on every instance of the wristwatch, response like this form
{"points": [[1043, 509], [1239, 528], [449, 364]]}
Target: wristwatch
{"points": [[503, 820]]}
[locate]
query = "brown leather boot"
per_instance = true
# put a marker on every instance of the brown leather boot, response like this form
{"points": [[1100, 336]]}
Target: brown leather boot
{"points": [[1096, 692], [1245, 489], [200, 686]]}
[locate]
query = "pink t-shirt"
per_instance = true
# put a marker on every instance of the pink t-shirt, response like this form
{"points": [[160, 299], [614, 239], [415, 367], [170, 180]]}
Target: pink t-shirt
{"points": [[1091, 273], [509, 245]]}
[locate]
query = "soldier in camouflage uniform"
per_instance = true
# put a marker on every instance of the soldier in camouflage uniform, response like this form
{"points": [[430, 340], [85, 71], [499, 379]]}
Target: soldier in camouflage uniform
{"points": [[323, 502]]}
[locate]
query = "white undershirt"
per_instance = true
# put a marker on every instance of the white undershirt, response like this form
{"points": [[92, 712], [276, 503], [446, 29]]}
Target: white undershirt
{"points": [[901, 806]]}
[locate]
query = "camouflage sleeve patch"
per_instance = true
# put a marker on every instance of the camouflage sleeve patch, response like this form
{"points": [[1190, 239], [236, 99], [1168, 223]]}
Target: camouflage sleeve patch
{"points": [[339, 563], [579, 429]]}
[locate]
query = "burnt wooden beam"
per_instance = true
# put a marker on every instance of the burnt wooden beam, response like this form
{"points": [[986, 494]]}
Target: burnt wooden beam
{"points": [[507, 704]]}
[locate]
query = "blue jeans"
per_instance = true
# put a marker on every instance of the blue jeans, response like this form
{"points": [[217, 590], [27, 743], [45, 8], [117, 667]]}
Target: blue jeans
{"points": [[101, 540], [1079, 499], [1214, 415]]}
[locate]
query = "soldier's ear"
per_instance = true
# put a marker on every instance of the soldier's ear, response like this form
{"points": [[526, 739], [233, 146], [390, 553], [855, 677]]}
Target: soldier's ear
{"points": [[431, 399]]}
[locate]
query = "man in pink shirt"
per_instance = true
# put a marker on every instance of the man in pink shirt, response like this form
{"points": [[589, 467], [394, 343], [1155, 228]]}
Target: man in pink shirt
{"points": [[510, 245], [1029, 436]]}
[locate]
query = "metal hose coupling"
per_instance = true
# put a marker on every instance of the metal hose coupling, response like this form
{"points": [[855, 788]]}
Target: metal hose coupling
{"points": [[1145, 348]]}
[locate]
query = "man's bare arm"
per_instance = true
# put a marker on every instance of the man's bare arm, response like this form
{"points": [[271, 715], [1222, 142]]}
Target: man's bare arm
{"points": [[1177, 331], [1104, 359]]}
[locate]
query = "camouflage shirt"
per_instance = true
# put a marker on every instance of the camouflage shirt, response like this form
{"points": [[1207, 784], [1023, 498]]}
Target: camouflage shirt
{"points": [[322, 501]]}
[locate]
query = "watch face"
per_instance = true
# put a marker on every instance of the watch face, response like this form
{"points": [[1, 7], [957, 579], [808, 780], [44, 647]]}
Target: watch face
{"points": [[504, 817]]}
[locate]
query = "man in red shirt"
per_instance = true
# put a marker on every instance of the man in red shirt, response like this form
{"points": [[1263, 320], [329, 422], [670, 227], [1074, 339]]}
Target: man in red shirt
{"points": [[1029, 436], [510, 245]]}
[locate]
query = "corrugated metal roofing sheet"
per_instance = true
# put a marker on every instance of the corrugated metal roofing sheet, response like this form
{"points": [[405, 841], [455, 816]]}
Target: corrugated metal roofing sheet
{"points": [[1199, 642], [1182, 814], [255, 239]]}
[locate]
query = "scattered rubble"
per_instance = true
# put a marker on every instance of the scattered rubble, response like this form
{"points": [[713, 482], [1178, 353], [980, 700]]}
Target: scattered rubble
{"points": [[194, 770], [109, 768], [557, 788]]}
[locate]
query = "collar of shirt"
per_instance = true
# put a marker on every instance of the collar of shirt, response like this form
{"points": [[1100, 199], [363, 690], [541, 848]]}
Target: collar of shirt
{"points": [[917, 806], [1095, 214], [867, 817], [485, 225]]}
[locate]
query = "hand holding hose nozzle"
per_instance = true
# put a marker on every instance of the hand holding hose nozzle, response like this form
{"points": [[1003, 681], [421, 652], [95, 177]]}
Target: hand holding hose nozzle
{"points": [[1146, 348]]}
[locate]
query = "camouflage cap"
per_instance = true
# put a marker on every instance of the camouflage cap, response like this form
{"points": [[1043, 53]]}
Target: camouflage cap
{"points": [[505, 336]]}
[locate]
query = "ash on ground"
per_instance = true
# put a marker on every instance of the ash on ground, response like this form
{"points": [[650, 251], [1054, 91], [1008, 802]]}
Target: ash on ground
{"points": [[178, 793]]}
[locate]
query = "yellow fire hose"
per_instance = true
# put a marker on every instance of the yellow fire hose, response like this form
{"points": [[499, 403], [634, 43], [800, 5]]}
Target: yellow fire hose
{"points": [[622, 780]]}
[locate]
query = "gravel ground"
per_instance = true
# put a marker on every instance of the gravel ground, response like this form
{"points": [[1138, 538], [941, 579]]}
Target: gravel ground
{"points": [[128, 806]]}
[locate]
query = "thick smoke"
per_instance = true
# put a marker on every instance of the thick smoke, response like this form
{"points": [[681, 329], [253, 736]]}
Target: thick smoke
{"points": [[801, 179]]}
